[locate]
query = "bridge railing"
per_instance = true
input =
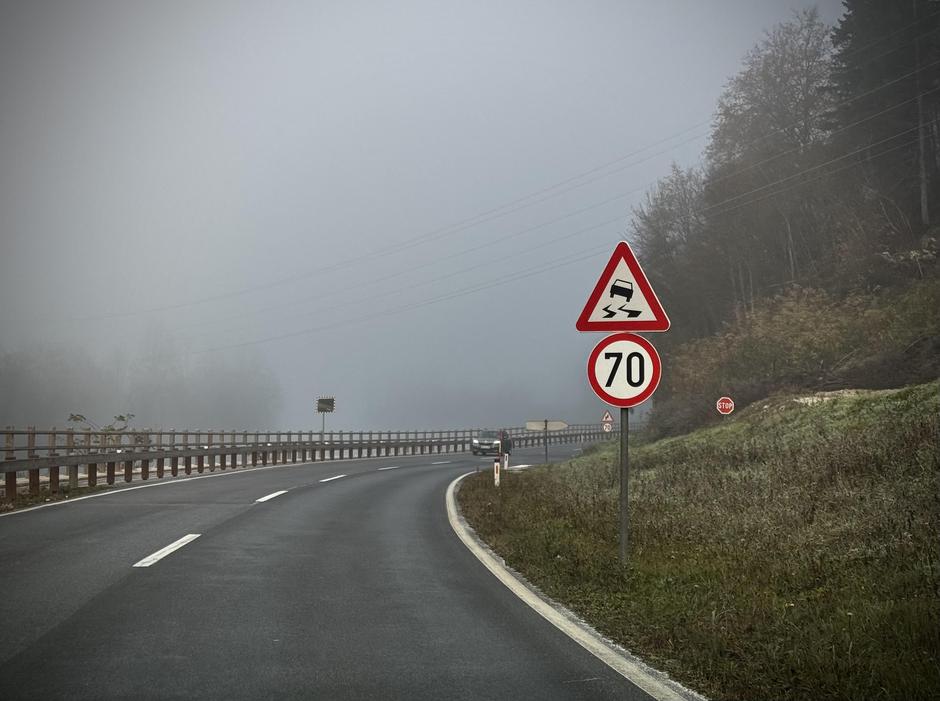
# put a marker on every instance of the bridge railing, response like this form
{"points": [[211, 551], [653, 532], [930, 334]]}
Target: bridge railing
{"points": [[91, 457]]}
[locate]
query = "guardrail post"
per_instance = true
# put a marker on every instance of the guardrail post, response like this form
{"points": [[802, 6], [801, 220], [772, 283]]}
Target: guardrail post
{"points": [[109, 473], [187, 459], [174, 461], [52, 439], [31, 453], [144, 469], [209, 456], [9, 480], [69, 450], [128, 470], [200, 459]]}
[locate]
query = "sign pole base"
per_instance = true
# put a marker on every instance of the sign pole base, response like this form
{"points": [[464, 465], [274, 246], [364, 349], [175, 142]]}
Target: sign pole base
{"points": [[624, 484]]}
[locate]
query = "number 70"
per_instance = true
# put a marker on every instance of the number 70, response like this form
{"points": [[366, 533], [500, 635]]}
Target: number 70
{"points": [[635, 367]]}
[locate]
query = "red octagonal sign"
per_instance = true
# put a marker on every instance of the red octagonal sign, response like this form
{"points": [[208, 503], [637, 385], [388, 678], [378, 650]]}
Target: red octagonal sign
{"points": [[624, 369], [725, 405]]}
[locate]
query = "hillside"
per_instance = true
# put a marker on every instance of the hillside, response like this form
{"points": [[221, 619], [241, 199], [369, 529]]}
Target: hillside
{"points": [[788, 552]]}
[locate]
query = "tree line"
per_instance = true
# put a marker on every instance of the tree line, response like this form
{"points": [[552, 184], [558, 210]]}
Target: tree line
{"points": [[822, 171]]}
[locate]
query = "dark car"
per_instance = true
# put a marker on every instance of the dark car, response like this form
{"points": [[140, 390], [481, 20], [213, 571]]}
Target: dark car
{"points": [[489, 442]]}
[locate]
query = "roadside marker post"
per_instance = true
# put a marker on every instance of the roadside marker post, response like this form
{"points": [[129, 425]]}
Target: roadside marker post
{"points": [[624, 369]]}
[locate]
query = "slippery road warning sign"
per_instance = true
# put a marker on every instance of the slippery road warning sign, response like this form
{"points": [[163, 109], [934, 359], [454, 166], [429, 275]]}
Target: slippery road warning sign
{"points": [[622, 299], [624, 369]]}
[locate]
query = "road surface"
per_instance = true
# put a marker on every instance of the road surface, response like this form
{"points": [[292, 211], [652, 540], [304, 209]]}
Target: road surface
{"points": [[353, 587]]}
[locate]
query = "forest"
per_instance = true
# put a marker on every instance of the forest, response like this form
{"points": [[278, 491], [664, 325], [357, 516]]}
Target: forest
{"points": [[803, 252]]}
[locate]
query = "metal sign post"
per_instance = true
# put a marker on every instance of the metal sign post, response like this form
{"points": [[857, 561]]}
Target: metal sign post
{"points": [[545, 439], [545, 425], [623, 369], [624, 483], [325, 405]]}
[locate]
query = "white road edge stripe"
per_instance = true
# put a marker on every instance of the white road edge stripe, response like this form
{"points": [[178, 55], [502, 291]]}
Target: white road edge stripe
{"points": [[653, 682], [271, 496], [330, 479], [442, 462], [163, 552], [390, 467]]}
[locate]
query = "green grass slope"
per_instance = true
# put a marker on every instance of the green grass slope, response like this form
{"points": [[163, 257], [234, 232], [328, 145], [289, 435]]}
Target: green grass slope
{"points": [[791, 552]]}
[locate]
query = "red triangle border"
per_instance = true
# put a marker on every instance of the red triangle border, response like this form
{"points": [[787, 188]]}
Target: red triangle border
{"points": [[659, 323]]}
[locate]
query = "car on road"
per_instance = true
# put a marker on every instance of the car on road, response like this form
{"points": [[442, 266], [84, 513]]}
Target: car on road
{"points": [[489, 442]]}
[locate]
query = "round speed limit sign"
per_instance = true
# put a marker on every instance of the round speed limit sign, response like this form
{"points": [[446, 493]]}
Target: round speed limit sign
{"points": [[624, 369]]}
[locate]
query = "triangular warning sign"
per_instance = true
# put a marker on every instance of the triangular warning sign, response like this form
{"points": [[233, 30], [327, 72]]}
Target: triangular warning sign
{"points": [[607, 418], [622, 299]]}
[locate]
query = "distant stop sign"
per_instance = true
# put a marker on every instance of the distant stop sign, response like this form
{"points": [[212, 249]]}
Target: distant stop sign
{"points": [[725, 405]]}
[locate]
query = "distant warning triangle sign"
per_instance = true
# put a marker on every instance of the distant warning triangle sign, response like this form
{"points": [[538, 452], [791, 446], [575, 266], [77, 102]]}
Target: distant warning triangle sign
{"points": [[622, 299], [607, 418]]}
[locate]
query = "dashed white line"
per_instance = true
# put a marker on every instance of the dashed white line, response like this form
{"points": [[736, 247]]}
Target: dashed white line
{"points": [[330, 479], [163, 552], [271, 496], [390, 467], [442, 462]]}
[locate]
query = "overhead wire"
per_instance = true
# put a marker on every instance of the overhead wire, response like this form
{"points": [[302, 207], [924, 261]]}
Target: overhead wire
{"points": [[517, 233], [488, 215], [536, 270]]}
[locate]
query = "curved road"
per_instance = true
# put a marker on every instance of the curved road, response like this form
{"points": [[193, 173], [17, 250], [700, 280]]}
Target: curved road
{"points": [[353, 588]]}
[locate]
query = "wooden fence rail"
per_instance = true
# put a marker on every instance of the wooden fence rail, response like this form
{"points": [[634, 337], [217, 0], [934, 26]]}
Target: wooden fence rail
{"points": [[88, 454]]}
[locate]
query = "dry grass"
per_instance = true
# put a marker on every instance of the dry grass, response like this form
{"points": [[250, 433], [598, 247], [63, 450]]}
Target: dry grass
{"points": [[789, 553]]}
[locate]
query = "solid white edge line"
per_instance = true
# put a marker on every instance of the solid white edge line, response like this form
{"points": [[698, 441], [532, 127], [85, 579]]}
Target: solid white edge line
{"points": [[334, 477], [391, 467], [163, 552], [270, 496], [442, 462], [652, 681]]}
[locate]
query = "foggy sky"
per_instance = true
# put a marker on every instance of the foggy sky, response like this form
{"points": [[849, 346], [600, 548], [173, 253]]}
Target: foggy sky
{"points": [[213, 174]]}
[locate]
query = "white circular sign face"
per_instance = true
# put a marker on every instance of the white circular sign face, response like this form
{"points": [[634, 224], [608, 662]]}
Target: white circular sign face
{"points": [[608, 428], [624, 369]]}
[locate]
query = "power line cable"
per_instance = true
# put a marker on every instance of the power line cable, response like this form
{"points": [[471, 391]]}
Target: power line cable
{"points": [[607, 201], [473, 221]]}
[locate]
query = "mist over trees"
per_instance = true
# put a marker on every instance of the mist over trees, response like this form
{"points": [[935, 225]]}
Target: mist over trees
{"points": [[817, 203], [812, 174], [158, 383]]}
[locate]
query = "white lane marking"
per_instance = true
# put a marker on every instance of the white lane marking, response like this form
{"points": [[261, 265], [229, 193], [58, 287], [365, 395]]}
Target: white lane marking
{"points": [[163, 552], [442, 462], [652, 681], [180, 480], [271, 496], [330, 479], [519, 467], [390, 467]]}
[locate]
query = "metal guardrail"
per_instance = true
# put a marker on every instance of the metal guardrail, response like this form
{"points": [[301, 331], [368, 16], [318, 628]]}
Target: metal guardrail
{"points": [[84, 453]]}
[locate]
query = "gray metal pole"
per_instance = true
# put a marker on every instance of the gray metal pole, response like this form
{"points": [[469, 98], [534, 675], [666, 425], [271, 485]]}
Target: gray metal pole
{"points": [[624, 482], [545, 439]]}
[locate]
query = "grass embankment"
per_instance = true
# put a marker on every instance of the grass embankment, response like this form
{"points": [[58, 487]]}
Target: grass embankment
{"points": [[789, 553]]}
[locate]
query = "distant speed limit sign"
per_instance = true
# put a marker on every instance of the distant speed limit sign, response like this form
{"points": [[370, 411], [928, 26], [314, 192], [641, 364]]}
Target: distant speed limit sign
{"points": [[624, 369], [608, 428]]}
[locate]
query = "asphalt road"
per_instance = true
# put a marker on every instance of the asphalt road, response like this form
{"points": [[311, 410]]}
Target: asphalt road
{"points": [[354, 588]]}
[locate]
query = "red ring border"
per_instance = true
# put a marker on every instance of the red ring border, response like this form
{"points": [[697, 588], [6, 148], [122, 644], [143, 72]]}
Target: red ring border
{"points": [[645, 394]]}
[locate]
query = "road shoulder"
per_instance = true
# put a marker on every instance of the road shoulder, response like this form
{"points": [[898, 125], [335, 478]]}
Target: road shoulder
{"points": [[655, 683]]}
